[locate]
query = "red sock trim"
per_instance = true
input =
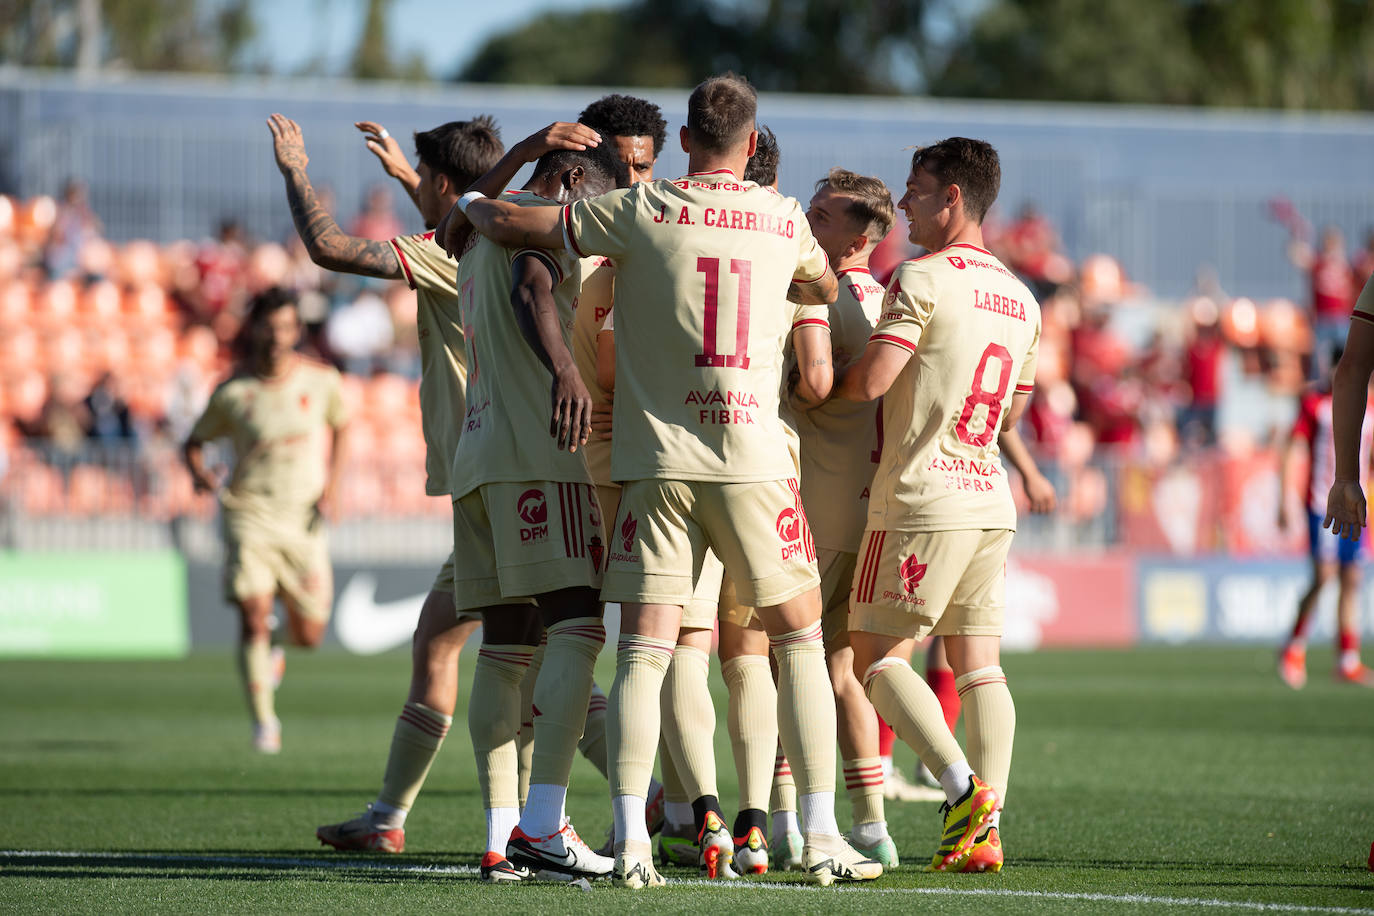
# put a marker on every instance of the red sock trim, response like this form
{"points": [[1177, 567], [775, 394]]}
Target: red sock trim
{"points": [[1349, 641], [886, 738]]}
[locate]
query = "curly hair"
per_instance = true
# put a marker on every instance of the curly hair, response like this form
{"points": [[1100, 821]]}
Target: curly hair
{"points": [[763, 165], [626, 116]]}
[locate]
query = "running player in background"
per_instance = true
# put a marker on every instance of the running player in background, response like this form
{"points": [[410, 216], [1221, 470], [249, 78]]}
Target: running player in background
{"points": [[956, 329], [697, 382], [528, 549], [1331, 555], [275, 410]]}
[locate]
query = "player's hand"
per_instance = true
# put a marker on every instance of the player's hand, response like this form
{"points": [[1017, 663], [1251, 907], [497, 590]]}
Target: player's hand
{"points": [[1345, 509], [387, 150], [571, 424], [558, 135], [447, 234], [1040, 493], [324, 506], [287, 144], [204, 482], [601, 420]]}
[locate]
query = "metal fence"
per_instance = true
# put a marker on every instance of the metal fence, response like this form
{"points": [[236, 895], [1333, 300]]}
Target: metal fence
{"points": [[1165, 191]]}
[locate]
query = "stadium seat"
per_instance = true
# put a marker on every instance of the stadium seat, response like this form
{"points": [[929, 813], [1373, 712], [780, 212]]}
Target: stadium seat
{"points": [[147, 302], [16, 303], [99, 302], [40, 488]]}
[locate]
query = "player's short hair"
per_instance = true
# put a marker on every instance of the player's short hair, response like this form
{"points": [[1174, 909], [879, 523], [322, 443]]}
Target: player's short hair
{"points": [[461, 150], [870, 202], [763, 165], [971, 164], [721, 111], [626, 116], [259, 307], [602, 167]]}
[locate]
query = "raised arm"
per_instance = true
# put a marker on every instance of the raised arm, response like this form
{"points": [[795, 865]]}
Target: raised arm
{"points": [[536, 312], [558, 135], [327, 244], [393, 159]]}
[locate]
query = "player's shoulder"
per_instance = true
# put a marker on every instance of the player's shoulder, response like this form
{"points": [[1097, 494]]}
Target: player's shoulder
{"points": [[316, 368]]}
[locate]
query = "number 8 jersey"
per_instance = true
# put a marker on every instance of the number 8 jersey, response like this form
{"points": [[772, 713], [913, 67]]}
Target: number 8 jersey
{"points": [[973, 329], [703, 265]]}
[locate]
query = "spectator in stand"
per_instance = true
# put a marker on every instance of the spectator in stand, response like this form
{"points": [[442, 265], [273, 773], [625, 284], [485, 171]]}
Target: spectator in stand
{"points": [[1333, 285], [220, 265], [76, 225], [1032, 249], [1202, 363], [1363, 261], [60, 428], [378, 221], [108, 418]]}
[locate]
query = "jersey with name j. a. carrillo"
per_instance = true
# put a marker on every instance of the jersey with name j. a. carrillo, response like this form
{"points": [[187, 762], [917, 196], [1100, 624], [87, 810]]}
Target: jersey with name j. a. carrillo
{"points": [[443, 354], [839, 439], [505, 436], [973, 330], [703, 265]]}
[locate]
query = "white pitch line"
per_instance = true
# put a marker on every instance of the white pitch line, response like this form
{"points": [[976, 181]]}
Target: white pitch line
{"points": [[410, 868]]}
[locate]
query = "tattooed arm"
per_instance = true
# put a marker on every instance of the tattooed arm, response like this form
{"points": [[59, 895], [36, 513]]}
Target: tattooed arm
{"points": [[329, 247]]}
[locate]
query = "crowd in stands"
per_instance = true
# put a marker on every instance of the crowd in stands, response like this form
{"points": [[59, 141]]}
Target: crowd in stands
{"points": [[121, 343]]}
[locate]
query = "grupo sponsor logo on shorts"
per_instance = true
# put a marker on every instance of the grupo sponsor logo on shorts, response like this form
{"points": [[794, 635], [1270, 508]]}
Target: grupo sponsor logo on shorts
{"points": [[533, 510], [910, 572], [627, 540]]}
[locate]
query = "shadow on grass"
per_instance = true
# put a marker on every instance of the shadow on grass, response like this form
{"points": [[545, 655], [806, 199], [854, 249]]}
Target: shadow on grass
{"points": [[1278, 868], [251, 792]]}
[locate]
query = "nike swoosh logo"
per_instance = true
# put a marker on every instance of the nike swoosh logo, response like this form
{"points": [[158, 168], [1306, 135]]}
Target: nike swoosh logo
{"points": [[366, 626]]}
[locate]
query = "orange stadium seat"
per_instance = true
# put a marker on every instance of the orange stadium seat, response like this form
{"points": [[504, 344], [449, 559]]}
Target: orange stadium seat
{"points": [[99, 302], [64, 350], [139, 263], [40, 488], [7, 214], [11, 258], [360, 493], [16, 303], [34, 219], [57, 302], [26, 393], [19, 349], [148, 302], [388, 394]]}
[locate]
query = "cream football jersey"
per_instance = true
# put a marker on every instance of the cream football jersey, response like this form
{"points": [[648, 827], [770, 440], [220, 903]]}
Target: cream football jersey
{"points": [[277, 428], [839, 439], [703, 265], [505, 436], [1364, 305], [592, 307], [443, 354], [972, 329]]}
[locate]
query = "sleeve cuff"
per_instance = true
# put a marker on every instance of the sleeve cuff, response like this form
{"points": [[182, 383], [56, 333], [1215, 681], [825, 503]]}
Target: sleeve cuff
{"points": [[568, 241], [1363, 316], [813, 322], [546, 258], [824, 267], [896, 341], [405, 265]]}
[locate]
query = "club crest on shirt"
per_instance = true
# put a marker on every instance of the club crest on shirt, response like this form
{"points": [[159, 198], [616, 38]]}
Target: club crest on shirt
{"points": [[533, 510], [912, 572], [597, 551]]}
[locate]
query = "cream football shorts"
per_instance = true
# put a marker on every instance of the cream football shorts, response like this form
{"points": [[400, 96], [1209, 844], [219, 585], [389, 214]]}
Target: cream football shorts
{"points": [[512, 541], [665, 527], [941, 583], [293, 565], [700, 612], [443, 582], [837, 584]]}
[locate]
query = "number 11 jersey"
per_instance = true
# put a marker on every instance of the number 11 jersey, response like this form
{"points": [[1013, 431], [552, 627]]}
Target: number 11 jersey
{"points": [[973, 330], [703, 265]]}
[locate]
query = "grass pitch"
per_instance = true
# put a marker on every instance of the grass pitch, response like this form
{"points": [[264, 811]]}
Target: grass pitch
{"points": [[1149, 781]]}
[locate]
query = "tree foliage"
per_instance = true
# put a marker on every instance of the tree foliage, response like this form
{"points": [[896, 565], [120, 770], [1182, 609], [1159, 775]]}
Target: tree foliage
{"points": [[173, 35]]}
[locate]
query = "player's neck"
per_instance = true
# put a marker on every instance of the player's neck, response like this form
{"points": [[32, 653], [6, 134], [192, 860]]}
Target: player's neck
{"points": [[703, 164], [965, 233], [854, 261], [547, 188], [270, 369]]}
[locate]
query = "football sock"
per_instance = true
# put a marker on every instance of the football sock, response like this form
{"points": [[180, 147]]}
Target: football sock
{"points": [[689, 720], [991, 725], [941, 681], [560, 712], [785, 822], [818, 812], [386, 817], [1348, 642], [632, 726], [677, 807], [749, 818], [954, 780], [863, 780], [628, 813], [869, 834], [806, 710], [910, 707], [500, 825], [415, 743], [525, 743], [753, 726], [593, 743], [784, 794], [494, 716], [255, 666], [544, 810]]}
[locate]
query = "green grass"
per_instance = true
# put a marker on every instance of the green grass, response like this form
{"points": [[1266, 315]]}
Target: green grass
{"points": [[1180, 773]]}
